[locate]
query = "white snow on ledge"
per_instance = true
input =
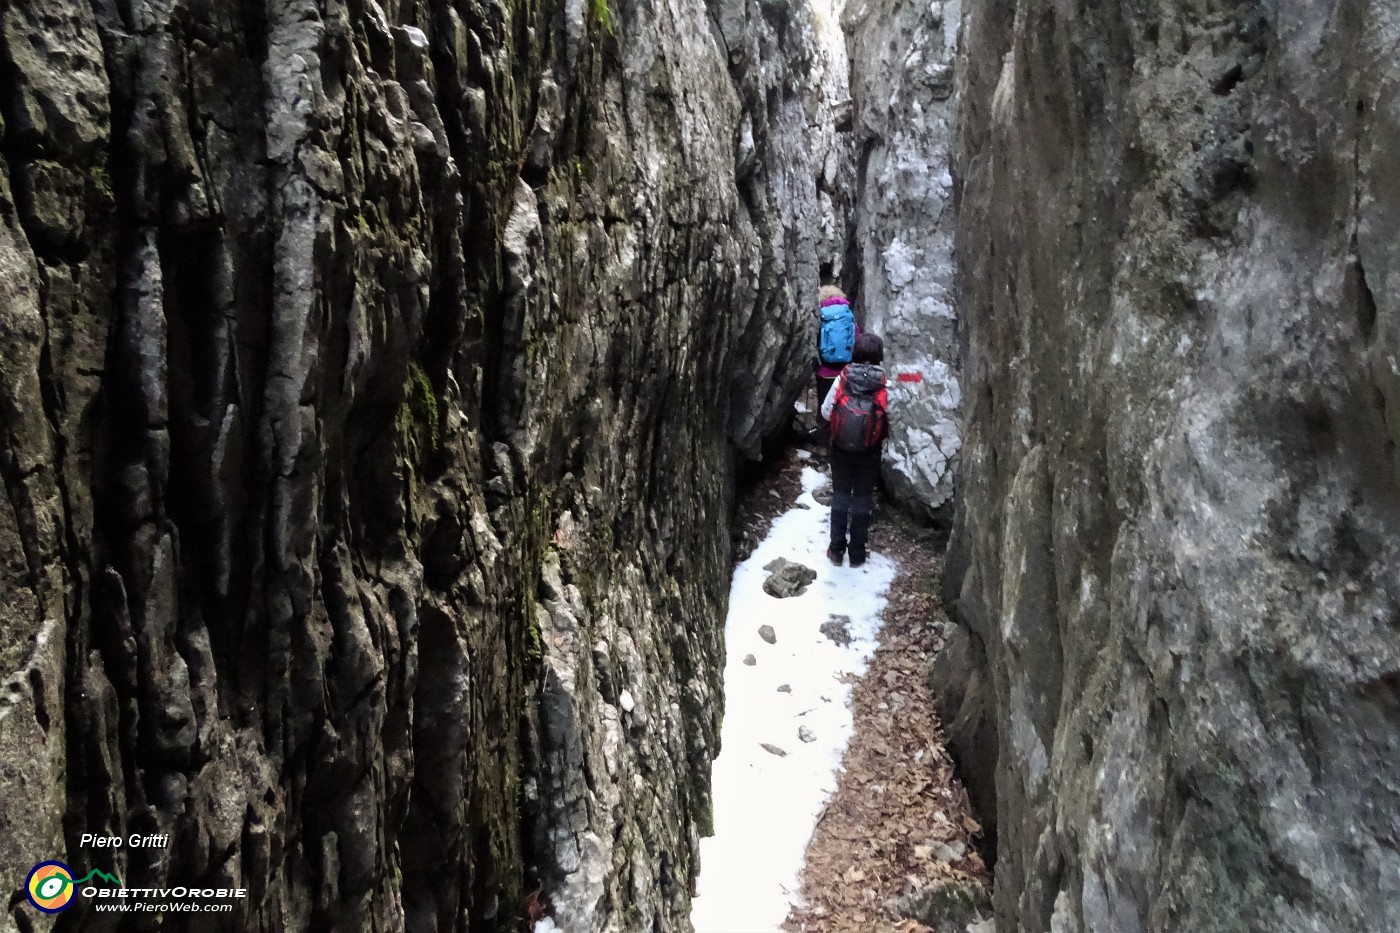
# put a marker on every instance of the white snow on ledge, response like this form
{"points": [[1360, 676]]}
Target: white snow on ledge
{"points": [[766, 806]]}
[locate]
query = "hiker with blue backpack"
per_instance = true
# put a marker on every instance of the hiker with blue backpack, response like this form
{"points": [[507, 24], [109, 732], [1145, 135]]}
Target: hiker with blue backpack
{"points": [[838, 336], [857, 406]]}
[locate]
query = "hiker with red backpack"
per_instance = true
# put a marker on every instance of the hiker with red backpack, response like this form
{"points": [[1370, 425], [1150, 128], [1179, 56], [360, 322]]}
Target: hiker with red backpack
{"points": [[858, 408]]}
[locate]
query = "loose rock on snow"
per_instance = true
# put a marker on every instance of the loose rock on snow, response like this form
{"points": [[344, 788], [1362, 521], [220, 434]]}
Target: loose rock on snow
{"points": [[787, 578], [770, 785], [767, 634], [837, 628]]}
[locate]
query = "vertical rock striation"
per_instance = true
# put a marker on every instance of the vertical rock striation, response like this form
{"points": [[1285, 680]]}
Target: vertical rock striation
{"points": [[903, 55], [793, 173], [1179, 504], [372, 375]]}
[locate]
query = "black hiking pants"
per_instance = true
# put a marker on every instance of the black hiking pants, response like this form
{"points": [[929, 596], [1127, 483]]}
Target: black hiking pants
{"points": [[853, 479]]}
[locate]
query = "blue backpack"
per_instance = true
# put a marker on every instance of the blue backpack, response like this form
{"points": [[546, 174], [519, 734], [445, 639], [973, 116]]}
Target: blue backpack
{"points": [[838, 335]]}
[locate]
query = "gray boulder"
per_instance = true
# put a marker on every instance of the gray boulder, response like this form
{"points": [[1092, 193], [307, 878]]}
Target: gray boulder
{"points": [[787, 578]]}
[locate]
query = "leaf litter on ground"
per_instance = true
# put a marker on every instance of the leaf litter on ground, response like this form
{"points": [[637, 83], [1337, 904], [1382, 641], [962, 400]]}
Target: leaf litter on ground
{"points": [[899, 820]]}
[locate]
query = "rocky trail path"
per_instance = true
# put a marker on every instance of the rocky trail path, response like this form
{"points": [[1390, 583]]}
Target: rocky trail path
{"points": [[894, 848], [836, 806]]}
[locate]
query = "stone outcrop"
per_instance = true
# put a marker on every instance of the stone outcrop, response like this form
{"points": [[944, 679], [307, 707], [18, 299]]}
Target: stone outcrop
{"points": [[793, 172], [372, 376], [903, 56], [1177, 542]]}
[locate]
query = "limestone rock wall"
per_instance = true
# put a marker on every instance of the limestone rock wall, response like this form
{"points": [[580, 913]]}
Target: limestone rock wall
{"points": [[794, 174], [903, 57], [1177, 519], [372, 375]]}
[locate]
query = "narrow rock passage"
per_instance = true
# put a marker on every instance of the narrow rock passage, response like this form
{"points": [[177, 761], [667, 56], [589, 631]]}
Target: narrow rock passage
{"points": [[865, 827], [787, 717]]}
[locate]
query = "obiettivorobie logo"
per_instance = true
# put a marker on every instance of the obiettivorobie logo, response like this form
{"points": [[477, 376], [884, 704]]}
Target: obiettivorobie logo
{"points": [[51, 885]]}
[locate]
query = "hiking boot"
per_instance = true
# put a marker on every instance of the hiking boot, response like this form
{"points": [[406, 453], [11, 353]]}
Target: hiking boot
{"points": [[835, 556], [860, 525]]}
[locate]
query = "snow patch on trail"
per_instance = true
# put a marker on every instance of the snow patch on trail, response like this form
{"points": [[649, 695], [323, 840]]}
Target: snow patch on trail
{"points": [[766, 806]]}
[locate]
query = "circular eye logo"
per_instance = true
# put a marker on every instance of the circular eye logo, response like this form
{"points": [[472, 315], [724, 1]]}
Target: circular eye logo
{"points": [[50, 886]]}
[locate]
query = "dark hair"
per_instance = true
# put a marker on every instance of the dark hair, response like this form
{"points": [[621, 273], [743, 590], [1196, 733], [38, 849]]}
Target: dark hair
{"points": [[868, 349]]}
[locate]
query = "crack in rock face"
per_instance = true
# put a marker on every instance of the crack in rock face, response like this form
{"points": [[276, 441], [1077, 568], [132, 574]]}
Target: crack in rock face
{"points": [[375, 379]]}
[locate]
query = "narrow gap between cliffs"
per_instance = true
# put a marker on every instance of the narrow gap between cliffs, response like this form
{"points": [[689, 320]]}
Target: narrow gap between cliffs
{"points": [[836, 805]]}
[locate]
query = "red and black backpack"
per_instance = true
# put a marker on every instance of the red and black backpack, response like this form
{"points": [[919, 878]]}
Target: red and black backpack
{"points": [[860, 411]]}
